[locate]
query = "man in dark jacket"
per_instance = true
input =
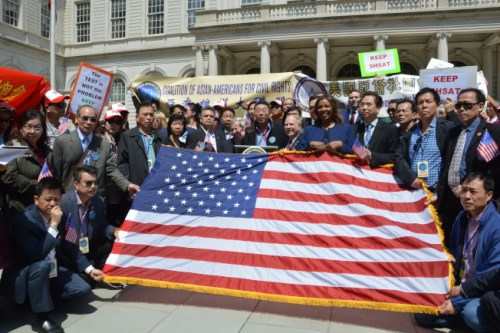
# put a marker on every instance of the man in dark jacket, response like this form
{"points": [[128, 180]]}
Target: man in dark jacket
{"points": [[265, 133]]}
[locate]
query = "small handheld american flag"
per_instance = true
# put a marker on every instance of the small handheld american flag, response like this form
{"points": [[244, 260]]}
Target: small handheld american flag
{"points": [[63, 127], [358, 148], [488, 148], [45, 172]]}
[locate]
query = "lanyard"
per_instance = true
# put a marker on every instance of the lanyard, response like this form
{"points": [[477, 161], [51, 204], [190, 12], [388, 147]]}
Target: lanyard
{"points": [[83, 229], [263, 135]]}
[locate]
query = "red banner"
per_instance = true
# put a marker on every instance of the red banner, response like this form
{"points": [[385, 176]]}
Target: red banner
{"points": [[23, 91]]}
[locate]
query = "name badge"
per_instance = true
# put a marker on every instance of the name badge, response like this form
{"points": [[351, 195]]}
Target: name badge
{"points": [[150, 165], [84, 244], [53, 268], [463, 265], [423, 169]]}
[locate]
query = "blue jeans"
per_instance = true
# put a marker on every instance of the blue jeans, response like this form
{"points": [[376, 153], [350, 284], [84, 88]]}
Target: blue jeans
{"points": [[474, 317]]}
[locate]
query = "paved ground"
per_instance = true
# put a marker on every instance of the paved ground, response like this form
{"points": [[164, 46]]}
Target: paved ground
{"points": [[139, 309]]}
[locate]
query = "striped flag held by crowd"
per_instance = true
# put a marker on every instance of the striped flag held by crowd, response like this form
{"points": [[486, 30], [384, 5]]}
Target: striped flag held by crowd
{"points": [[487, 148], [292, 227], [45, 172], [63, 127]]}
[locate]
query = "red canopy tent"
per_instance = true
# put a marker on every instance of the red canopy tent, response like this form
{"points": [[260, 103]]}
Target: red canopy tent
{"points": [[23, 91]]}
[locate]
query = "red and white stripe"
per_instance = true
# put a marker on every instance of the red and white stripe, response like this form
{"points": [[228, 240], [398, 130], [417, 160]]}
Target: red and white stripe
{"points": [[322, 228]]}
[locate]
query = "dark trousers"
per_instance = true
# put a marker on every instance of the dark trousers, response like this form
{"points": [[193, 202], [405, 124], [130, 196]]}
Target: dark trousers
{"points": [[490, 303], [40, 289]]}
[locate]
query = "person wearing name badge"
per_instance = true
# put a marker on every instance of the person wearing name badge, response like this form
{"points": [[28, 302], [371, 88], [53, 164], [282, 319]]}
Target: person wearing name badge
{"points": [[93, 235], [329, 132], [265, 133], [22, 173], [420, 150], [471, 147], [82, 147], [37, 274]]}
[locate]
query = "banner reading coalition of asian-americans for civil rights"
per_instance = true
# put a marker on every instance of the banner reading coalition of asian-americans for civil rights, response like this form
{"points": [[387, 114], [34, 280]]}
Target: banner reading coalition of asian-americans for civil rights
{"points": [[237, 90]]}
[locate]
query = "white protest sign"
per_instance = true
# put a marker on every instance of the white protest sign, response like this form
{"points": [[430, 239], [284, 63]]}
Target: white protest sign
{"points": [[436, 63], [449, 81], [91, 88]]}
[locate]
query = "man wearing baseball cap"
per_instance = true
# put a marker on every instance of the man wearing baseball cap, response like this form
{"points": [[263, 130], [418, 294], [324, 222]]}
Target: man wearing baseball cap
{"points": [[54, 106], [122, 109]]}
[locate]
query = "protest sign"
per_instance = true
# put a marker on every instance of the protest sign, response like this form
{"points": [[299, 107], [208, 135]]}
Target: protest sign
{"points": [[449, 81], [91, 88], [437, 63], [379, 62]]}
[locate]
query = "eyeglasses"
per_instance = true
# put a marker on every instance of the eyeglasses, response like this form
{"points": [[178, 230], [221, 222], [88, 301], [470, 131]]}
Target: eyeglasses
{"points": [[35, 129], [89, 183], [391, 110], [85, 118], [5, 120], [465, 105]]}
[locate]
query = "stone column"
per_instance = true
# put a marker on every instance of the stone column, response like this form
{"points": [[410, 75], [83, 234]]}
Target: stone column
{"points": [[200, 62], [229, 66], [442, 52], [321, 60], [265, 57], [498, 71], [212, 60], [380, 42], [488, 65]]}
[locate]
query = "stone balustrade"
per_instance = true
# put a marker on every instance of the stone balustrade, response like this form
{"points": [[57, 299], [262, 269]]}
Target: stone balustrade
{"points": [[328, 8]]}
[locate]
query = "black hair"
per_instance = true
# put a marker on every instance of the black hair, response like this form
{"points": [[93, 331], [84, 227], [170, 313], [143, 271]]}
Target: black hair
{"points": [[426, 90], [143, 104], [173, 118], [378, 100], [48, 183], [41, 144], [481, 98], [407, 100], [485, 177], [77, 172]]}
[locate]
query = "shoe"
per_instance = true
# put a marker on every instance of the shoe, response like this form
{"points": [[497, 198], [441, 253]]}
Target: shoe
{"points": [[43, 324], [111, 286]]}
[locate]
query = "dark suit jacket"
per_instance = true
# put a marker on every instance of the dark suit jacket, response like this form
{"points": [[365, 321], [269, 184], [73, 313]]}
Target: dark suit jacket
{"points": [[383, 143], [276, 137], [223, 145], [346, 115], [132, 158], [67, 152], [402, 156], [31, 243], [449, 205], [479, 285]]}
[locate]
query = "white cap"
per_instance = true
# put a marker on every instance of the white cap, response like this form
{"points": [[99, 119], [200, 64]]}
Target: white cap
{"points": [[54, 97], [119, 107], [112, 114]]}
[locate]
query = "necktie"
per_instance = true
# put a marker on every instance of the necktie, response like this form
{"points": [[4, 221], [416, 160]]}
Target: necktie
{"points": [[208, 143], [368, 134], [454, 174], [353, 115], [85, 142]]}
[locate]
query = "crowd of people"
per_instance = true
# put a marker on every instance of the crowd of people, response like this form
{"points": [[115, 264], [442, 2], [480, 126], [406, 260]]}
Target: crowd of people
{"points": [[65, 200]]}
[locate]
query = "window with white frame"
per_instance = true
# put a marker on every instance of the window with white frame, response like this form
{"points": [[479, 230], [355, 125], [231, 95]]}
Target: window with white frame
{"points": [[118, 91], [193, 6], [251, 2], [83, 22], [10, 12], [118, 14], [44, 19], [155, 16]]}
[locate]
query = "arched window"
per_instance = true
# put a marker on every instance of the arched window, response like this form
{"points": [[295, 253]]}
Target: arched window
{"points": [[407, 68], [349, 71], [305, 70], [118, 90], [255, 70], [458, 63]]}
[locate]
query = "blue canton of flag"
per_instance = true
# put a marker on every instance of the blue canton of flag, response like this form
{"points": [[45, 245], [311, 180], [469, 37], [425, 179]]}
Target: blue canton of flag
{"points": [[203, 184], [487, 148], [45, 172], [358, 148]]}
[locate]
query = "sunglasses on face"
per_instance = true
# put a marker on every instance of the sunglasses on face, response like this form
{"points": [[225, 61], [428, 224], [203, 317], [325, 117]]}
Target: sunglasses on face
{"points": [[465, 105], [114, 121], [91, 119], [89, 183], [5, 120]]}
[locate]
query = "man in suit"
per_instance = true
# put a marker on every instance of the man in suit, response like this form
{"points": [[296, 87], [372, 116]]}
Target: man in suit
{"points": [[380, 139], [205, 138], [461, 154], [351, 114], [265, 133], [82, 147], [138, 147], [86, 212], [38, 271]]}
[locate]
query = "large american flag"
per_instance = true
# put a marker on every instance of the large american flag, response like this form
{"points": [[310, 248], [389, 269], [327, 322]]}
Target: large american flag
{"points": [[300, 228]]}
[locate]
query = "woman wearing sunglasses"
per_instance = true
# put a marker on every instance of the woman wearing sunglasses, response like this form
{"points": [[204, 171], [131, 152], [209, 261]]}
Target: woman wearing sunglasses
{"points": [[22, 173]]}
